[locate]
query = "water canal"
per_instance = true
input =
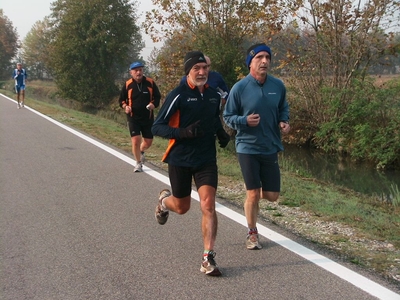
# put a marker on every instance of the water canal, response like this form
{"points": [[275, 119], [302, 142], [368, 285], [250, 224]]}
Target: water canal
{"points": [[360, 177]]}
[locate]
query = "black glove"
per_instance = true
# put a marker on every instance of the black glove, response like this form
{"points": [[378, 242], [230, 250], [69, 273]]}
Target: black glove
{"points": [[191, 132], [223, 138]]}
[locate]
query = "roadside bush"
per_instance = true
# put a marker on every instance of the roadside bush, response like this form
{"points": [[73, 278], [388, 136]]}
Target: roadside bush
{"points": [[368, 128]]}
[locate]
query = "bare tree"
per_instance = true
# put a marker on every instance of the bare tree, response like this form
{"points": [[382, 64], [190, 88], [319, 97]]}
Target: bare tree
{"points": [[330, 44]]}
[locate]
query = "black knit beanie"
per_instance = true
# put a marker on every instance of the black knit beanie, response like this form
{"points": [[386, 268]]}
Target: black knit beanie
{"points": [[192, 58]]}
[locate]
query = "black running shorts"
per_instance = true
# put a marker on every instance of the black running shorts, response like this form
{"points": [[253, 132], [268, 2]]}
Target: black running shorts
{"points": [[137, 128], [181, 178], [260, 171]]}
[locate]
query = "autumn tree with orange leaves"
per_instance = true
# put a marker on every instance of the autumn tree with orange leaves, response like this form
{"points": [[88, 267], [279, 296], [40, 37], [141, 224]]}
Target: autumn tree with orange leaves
{"points": [[222, 29], [8, 45]]}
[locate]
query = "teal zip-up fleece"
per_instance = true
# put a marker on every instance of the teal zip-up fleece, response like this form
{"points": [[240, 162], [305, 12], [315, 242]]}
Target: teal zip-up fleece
{"points": [[268, 100]]}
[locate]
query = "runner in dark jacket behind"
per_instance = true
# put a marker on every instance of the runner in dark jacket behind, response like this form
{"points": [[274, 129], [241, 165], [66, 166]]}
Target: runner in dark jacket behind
{"points": [[139, 96]]}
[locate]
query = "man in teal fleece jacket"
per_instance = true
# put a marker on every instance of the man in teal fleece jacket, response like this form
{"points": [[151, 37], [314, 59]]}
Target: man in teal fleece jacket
{"points": [[257, 109]]}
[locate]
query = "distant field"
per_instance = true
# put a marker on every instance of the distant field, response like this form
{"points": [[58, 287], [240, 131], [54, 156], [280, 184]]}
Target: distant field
{"points": [[382, 79]]}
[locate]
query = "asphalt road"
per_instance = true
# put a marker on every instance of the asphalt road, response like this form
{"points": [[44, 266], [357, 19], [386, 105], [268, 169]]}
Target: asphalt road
{"points": [[77, 223]]}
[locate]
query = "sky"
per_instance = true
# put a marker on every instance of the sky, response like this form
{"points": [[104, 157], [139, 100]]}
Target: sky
{"points": [[24, 13]]}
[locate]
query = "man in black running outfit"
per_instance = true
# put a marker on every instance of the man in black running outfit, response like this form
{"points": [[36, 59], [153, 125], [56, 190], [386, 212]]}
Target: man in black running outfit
{"points": [[190, 118], [139, 96]]}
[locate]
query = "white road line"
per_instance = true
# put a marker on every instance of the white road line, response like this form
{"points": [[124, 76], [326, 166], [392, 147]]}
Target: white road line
{"points": [[354, 278]]}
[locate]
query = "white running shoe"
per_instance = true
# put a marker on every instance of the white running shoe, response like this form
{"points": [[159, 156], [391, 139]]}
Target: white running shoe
{"points": [[138, 168], [252, 242], [160, 214], [209, 266]]}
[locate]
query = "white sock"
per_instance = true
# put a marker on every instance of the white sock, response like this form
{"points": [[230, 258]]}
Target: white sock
{"points": [[164, 208]]}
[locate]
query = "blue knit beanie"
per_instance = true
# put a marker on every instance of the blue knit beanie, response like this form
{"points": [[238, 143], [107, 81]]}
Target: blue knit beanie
{"points": [[253, 50]]}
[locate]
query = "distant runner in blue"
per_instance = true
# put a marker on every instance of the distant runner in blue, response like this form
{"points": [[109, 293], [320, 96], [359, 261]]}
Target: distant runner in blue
{"points": [[20, 76], [216, 81]]}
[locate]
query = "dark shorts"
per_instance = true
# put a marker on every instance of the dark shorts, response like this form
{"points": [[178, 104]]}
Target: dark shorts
{"points": [[19, 88], [137, 128], [181, 178], [260, 171]]}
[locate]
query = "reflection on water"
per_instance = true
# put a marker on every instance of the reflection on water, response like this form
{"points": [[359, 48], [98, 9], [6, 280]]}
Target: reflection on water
{"points": [[362, 178]]}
